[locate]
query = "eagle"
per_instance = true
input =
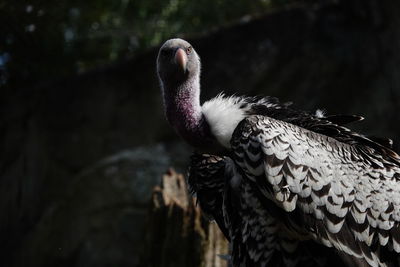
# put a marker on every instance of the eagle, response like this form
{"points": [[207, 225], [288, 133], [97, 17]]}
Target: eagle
{"points": [[286, 187]]}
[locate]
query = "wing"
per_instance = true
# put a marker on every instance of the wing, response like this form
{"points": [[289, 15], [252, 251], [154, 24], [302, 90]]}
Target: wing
{"points": [[343, 195], [330, 125], [206, 180]]}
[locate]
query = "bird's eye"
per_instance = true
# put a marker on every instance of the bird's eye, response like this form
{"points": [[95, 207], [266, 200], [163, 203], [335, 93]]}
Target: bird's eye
{"points": [[189, 50], [164, 53]]}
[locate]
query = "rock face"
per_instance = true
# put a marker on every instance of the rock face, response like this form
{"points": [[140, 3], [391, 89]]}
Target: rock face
{"points": [[103, 217], [70, 192], [100, 218]]}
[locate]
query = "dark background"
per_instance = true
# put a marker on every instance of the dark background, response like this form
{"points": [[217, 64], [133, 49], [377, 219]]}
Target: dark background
{"points": [[83, 136]]}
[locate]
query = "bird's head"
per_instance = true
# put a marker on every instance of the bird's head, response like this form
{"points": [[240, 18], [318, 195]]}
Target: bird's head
{"points": [[177, 62], [178, 69]]}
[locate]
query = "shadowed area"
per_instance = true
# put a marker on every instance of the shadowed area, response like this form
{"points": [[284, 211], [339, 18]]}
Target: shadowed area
{"points": [[79, 156]]}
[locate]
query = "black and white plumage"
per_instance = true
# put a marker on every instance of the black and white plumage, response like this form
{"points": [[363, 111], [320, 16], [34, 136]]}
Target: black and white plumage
{"points": [[287, 188]]}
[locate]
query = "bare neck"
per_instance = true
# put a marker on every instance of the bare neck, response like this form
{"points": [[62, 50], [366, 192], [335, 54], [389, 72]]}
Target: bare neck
{"points": [[183, 111]]}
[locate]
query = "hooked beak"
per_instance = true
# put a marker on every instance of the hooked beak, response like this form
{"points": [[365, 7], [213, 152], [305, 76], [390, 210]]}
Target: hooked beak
{"points": [[181, 59]]}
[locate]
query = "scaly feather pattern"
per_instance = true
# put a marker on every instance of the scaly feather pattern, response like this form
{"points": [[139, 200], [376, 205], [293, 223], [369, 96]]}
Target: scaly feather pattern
{"points": [[206, 182], [344, 195]]}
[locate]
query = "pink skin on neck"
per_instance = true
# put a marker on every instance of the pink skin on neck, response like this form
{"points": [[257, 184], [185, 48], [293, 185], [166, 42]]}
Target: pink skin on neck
{"points": [[183, 111]]}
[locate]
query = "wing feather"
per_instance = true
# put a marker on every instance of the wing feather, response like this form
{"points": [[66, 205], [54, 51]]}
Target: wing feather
{"points": [[349, 193], [206, 180]]}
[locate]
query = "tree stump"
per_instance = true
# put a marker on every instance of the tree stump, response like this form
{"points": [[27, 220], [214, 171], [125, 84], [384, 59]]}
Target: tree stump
{"points": [[178, 234]]}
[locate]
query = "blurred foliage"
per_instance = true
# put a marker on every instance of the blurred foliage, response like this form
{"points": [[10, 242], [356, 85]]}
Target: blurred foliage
{"points": [[45, 40]]}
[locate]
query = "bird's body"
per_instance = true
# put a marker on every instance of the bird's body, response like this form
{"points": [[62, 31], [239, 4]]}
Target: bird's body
{"points": [[287, 188]]}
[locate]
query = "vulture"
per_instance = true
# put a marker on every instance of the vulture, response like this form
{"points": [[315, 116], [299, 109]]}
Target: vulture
{"points": [[286, 187]]}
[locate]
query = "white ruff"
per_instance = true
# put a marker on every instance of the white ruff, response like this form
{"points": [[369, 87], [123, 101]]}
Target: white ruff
{"points": [[223, 114]]}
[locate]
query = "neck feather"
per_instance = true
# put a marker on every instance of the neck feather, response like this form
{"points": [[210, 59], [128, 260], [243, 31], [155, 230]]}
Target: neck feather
{"points": [[183, 111]]}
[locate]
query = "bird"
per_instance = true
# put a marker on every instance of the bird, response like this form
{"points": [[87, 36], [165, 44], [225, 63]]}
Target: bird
{"points": [[286, 187]]}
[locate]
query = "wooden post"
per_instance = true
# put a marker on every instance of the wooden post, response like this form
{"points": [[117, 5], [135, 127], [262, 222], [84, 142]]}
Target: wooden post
{"points": [[178, 234]]}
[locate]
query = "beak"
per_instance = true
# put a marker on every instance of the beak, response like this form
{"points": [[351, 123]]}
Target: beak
{"points": [[181, 59]]}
